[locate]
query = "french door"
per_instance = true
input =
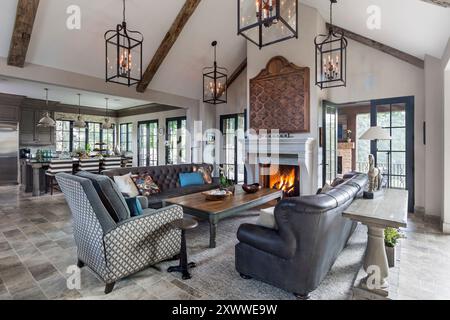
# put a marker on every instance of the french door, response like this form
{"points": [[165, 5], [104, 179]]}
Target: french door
{"points": [[176, 140], [330, 125], [148, 143], [395, 157], [233, 153]]}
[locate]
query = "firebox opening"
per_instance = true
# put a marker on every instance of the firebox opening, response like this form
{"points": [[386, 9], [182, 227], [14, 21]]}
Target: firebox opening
{"points": [[287, 178]]}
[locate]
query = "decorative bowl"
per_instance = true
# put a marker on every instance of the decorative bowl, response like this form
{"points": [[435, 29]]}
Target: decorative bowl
{"points": [[251, 188], [217, 195]]}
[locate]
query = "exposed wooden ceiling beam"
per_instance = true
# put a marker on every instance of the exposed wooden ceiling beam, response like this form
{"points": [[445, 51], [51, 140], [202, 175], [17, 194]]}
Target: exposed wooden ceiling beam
{"points": [[23, 27], [172, 35], [237, 72], [442, 3], [382, 47]]}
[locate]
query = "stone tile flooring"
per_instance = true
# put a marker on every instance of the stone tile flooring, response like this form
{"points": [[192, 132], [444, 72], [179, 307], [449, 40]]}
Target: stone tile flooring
{"points": [[37, 246]]}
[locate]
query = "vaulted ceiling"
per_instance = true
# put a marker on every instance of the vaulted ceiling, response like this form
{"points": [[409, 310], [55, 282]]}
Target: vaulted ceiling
{"points": [[413, 26]]}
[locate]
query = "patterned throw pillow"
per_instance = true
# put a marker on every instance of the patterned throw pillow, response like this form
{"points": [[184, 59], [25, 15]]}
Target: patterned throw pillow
{"points": [[145, 184], [206, 173]]}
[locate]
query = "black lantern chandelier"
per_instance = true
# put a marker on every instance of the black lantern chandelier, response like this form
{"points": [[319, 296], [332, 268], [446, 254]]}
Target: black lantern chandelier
{"points": [[266, 22], [123, 54], [331, 57], [215, 82]]}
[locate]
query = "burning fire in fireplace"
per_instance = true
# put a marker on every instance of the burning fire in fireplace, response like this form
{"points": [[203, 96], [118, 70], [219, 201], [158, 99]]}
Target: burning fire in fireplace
{"points": [[285, 180]]}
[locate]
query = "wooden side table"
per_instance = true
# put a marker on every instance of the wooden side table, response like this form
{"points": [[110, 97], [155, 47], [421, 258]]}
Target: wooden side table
{"points": [[183, 224]]}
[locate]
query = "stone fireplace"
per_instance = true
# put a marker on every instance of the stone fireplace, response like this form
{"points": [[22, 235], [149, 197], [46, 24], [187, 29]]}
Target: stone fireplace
{"points": [[282, 163]]}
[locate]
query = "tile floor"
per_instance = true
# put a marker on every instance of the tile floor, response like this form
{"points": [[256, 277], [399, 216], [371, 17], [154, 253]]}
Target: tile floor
{"points": [[36, 247]]}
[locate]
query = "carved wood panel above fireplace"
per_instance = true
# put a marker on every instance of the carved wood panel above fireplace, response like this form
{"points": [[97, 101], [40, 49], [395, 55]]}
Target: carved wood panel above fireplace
{"points": [[279, 98]]}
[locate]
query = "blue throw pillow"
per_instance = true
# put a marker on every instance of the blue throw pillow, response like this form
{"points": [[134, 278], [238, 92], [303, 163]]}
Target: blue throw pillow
{"points": [[191, 179], [135, 206]]}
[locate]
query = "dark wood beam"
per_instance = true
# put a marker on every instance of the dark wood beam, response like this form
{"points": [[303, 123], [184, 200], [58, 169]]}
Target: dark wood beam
{"points": [[171, 36], [442, 3], [381, 47], [23, 27], [237, 72]]}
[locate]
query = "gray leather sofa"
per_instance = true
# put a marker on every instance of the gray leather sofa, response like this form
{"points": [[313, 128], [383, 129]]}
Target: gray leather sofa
{"points": [[167, 178], [311, 234], [111, 243]]}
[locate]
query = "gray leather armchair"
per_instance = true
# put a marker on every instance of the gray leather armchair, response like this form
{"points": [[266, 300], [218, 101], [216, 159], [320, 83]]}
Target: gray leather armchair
{"points": [[311, 234], [116, 249]]}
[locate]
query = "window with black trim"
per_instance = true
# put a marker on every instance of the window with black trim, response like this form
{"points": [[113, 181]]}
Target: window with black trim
{"points": [[126, 131]]}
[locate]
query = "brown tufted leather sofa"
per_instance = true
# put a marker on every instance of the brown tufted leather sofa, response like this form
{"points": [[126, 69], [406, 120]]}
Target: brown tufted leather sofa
{"points": [[167, 178]]}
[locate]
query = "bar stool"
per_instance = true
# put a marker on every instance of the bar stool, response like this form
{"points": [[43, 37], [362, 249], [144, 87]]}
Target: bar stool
{"points": [[90, 165], [57, 166], [109, 163]]}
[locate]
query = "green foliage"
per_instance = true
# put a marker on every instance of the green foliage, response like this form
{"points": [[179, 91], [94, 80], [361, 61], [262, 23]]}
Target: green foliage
{"points": [[391, 236], [223, 180]]}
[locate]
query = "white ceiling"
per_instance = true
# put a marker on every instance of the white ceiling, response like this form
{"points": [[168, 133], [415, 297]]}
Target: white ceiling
{"points": [[63, 95], [412, 26]]}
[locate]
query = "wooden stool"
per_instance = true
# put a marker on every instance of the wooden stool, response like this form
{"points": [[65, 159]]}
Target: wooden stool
{"points": [[183, 224]]}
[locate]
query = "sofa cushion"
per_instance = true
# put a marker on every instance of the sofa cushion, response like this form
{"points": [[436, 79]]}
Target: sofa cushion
{"points": [[205, 172], [267, 218], [191, 179], [134, 205], [126, 185], [109, 194], [145, 184]]}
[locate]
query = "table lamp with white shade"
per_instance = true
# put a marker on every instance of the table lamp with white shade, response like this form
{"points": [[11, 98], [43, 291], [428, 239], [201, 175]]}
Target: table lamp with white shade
{"points": [[375, 177]]}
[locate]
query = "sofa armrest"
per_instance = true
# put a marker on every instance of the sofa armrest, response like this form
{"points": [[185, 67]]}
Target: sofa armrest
{"points": [[156, 218], [264, 239]]}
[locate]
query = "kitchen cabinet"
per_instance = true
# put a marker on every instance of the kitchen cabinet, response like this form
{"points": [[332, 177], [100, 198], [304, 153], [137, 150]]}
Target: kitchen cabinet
{"points": [[30, 133], [9, 113]]}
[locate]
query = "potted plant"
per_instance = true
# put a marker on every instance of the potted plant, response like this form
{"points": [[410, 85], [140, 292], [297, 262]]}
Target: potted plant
{"points": [[391, 237], [225, 183]]}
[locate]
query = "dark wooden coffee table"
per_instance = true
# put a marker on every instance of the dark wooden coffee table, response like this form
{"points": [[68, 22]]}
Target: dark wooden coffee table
{"points": [[196, 205]]}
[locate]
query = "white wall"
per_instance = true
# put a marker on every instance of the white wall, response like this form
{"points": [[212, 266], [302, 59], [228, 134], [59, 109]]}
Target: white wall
{"points": [[300, 52], [434, 104], [161, 117], [446, 187], [373, 74]]}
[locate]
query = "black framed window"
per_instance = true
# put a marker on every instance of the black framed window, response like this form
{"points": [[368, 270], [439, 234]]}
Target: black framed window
{"points": [[108, 137], [148, 143], [233, 154], [78, 138], [63, 136], [126, 131], [70, 139], [176, 140], [94, 130]]}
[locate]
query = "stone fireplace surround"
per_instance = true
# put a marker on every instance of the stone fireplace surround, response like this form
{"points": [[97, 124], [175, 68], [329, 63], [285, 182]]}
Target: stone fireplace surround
{"points": [[291, 151]]}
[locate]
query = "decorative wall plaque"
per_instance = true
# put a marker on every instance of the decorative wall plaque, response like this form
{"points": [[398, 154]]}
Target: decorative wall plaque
{"points": [[279, 98]]}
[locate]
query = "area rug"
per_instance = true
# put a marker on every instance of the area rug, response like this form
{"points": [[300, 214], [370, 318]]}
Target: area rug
{"points": [[216, 276]]}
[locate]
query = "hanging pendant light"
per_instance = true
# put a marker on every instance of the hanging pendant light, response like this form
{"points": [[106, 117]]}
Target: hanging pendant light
{"points": [[79, 123], [215, 82], [123, 54], [107, 124], [331, 57], [267, 21], [46, 121]]}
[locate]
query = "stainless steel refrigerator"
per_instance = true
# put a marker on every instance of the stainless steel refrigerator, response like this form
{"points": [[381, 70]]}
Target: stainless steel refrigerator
{"points": [[9, 153]]}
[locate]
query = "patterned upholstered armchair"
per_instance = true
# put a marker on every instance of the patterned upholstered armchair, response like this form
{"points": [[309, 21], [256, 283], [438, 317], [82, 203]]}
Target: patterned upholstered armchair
{"points": [[114, 250]]}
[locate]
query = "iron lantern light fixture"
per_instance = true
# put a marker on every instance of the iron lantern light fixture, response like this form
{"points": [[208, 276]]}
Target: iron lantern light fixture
{"points": [[215, 82], [79, 123], [331, 57], [123, 54], [266, 22], [107, 124], [46, 121]]}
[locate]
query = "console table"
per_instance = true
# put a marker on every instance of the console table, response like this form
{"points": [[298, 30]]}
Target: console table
{"points": [[390, 210]]}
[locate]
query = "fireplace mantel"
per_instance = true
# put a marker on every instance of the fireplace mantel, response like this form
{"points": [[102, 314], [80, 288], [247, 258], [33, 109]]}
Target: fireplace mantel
{"points": [[290, 151]]}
